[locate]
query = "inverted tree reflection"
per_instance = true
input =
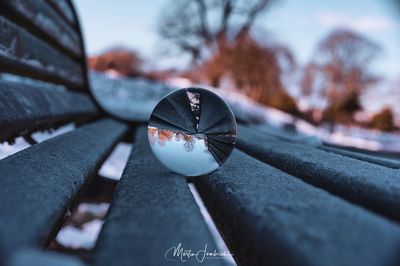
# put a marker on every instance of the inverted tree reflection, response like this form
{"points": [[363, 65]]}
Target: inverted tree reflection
{"points": [[160, 137], [192, 121]]}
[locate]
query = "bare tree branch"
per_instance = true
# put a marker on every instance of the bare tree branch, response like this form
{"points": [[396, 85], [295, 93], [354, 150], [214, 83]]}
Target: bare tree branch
{"points": [[198, 26], [252, 14], [228, 6], [340, 72], [205, 32]]}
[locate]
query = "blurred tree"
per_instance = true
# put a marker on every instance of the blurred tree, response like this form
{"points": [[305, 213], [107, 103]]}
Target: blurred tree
{"points": [[255, 69], [216, 33], [124, 61], [340, 72], [383, 120], [342, 109], [201, 27]]}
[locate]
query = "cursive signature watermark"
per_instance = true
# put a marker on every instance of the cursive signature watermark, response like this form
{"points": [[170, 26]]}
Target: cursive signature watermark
{"points": [[179, 253]]}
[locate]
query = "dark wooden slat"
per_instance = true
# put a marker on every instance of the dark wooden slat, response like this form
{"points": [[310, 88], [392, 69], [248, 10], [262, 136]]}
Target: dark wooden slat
{"points": [[24, 54], [25, 108], [36, 257], [268, 217], [288, 135], [373, 186], [152, 211], [64, 8], [38, 184], [43, 17], [276, 133], [364, 157]]}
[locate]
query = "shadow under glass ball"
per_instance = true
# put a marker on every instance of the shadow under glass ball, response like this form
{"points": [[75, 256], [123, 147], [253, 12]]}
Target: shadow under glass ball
{"points": [[192, 131]]}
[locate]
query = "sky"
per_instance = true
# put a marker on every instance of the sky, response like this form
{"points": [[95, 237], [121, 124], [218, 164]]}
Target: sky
{"points": [[298, 24]]}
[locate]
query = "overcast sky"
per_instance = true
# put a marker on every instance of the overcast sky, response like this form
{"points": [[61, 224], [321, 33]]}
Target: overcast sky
{"points": [[298, 24]]}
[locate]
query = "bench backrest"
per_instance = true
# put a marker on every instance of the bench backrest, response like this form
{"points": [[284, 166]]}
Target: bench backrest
{"points": [[44, 84], [41, 47]]}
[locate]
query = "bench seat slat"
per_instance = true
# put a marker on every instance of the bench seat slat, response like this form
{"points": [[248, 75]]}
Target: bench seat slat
{"points": [[25, 108], [22, 53], [152, 211], [48, 21], [373, 186], [39, 183], [37, 257], [363, 157], [268, 217], [285, 135]]}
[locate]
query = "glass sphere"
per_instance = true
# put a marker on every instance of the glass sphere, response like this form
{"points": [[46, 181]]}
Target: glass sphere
{"points": [[192, 131]]}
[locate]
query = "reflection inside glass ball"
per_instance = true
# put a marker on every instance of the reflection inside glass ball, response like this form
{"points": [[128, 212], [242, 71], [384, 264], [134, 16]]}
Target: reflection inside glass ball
{"points": [[192, 131]]}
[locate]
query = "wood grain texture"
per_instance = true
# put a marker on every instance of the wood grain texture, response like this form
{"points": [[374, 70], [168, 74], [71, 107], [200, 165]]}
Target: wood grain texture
{"points": [[64, 8], [373, 186], [268, 217], [363, 157], [47, 21], [37, 257], [152, 211], [39, 183], [27, 107], [23, 54]]}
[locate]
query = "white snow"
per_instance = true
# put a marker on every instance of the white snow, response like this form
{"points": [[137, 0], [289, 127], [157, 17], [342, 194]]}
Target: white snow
{"points": [[341, 135], [134, 99], [114, 165], [7, 149], [84, 237]]}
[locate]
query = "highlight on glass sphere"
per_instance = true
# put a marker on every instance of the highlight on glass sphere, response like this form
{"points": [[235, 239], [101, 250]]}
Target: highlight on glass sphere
{"points": [[192, 131]]}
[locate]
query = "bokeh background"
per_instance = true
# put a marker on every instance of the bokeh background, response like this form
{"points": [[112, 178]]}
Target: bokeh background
{"points": [[328, 69], [318, 71]]}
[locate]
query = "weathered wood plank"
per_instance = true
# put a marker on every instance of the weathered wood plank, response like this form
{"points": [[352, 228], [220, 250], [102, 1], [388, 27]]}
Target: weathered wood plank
{"points": [[24, 54], [373, 186], [363, 157], [268, 217], [38, 184], [152, 211], [24, 108], [273, 134], [36, 257], [64, 8], [48, 21], [284, 135]]}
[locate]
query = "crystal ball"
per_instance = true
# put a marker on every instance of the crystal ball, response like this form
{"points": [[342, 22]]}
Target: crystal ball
{"points": [[192, 131]]}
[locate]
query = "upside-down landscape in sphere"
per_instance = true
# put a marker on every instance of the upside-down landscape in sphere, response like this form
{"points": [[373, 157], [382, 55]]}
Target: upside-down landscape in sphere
{"points": [[192, 131]]}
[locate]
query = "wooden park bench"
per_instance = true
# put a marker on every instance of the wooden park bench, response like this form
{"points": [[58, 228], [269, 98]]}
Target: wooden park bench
{"points": [[276, 201]]}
